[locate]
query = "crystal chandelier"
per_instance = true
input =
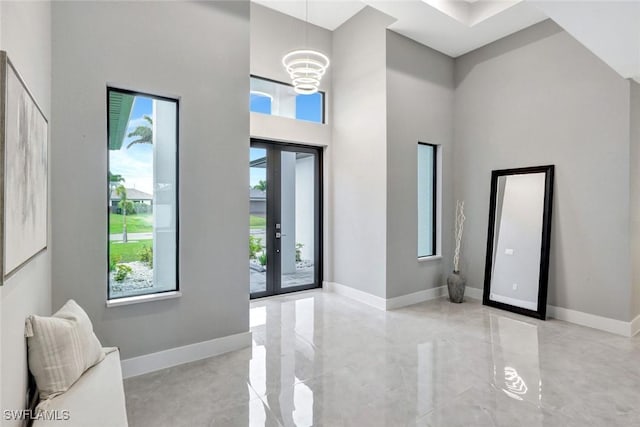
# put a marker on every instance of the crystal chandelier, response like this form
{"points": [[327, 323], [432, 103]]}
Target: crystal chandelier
{"points": [[305, 66]]}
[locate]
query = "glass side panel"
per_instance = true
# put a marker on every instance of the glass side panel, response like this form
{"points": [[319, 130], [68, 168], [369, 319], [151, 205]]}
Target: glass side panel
{"points": [[298, 219], [258, 220]]}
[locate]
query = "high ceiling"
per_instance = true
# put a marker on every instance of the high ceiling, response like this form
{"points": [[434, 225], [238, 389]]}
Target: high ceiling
{"points": [[609, 28]]}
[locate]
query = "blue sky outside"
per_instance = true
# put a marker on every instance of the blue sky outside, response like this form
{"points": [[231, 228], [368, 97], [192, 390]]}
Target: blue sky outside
{"points": [[308, 107], [135, 164], [260, 104]]}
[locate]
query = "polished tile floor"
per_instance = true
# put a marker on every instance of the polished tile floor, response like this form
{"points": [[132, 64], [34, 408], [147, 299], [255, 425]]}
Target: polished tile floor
{"points": [[321, 359]]}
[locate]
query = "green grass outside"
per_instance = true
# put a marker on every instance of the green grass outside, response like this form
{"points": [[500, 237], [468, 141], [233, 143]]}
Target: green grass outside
{"points": [[257, 222], [142, 223], [127, 251]]}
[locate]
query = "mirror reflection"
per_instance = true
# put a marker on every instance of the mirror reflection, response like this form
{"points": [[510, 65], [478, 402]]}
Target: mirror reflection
{"points": [[518, 239]]}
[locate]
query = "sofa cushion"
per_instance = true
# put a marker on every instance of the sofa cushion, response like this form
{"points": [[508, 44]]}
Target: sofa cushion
{"points": [[61, 348]]}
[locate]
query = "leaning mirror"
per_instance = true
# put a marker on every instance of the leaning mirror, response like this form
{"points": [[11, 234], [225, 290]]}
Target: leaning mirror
{"points": [[517, 267]]}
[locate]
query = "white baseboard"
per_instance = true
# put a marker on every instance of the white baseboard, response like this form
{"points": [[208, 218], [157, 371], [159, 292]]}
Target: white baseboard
{"points": [[416, 297], [606, 324], [384, 303], [355, 294], [619, 327], [189, 353], [473, 293]]}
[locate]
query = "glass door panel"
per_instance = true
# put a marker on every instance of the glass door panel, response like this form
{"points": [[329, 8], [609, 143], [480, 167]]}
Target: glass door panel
{"points": [[285, 218], [297, 214], [258, 220]]}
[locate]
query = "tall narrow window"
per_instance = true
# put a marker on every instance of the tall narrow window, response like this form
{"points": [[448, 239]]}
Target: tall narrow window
{"points": [[142, 194], [426, 200]]}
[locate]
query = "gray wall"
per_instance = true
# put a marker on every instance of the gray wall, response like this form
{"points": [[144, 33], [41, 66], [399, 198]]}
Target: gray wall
{"points": [[25, 33], [539, 97], [199, 52], [419, 108], [634, 159], [357, 189]]}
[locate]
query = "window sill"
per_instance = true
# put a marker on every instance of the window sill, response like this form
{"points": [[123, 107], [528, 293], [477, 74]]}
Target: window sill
{"points": [[143, 298], [429, 258]]}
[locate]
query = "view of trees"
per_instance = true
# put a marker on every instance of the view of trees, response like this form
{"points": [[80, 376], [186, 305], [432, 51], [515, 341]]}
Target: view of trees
{"points": [[126, 206], [144, 133], [114, 181]]}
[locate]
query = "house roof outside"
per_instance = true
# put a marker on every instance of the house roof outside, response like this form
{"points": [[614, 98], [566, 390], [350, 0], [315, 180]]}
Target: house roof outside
{"points": [[255, 194], [134, 195], [120, 106]]}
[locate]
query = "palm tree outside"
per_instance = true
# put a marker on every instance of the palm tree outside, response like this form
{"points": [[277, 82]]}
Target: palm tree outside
{"points": [[144, 134], [114, 181], [261, 185], [124, 205]]}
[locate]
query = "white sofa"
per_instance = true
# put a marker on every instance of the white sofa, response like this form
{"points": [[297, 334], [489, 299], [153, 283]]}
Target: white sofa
{"points": [[95, 400]]}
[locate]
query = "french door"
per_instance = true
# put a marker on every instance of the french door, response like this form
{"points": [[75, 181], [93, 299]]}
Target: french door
{"points": [[285, 218]]}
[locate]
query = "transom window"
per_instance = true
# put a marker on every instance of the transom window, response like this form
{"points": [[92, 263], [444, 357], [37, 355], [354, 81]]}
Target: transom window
{"points": [[279, 99]]}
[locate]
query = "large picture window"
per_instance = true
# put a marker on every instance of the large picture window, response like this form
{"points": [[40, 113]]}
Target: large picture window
{"points": [[142, 194], [426, 200]]}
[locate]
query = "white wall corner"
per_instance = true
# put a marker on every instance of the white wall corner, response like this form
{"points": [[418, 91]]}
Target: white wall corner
{"points": [[355, 294], [179, 355], [634, 326], [415, 297]]}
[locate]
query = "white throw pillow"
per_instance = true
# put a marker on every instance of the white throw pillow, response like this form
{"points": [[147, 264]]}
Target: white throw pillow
{"points": [[61, 348]]}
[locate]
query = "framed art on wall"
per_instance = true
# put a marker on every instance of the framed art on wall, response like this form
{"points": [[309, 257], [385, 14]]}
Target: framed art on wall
{"points": [[23, 172]]}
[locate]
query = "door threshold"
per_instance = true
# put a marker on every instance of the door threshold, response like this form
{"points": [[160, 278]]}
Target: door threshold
{"points": [[285, 294]]}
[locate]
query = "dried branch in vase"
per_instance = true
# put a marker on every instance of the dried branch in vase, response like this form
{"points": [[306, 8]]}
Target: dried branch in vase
{"points": [[459, 228]]}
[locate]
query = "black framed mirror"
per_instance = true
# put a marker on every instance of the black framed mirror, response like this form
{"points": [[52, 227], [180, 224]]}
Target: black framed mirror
{"points": [[519, 237]]}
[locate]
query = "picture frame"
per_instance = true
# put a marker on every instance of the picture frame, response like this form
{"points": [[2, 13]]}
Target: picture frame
{"points": [[23, 173]]}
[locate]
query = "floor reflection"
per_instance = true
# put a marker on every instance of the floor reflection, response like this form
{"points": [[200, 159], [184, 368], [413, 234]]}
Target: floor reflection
{"points": [[321, 359], [516, 361], [516, 386], [277, 370]]}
